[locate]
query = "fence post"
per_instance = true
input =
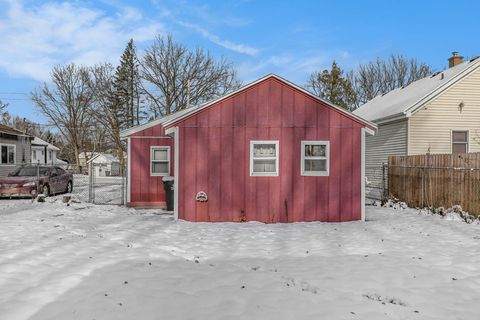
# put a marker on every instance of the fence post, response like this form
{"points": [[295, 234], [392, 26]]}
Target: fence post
{"points": [[384, 187], [90, 182]]}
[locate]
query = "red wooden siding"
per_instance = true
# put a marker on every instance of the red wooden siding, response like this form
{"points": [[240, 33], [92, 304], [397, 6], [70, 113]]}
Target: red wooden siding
{"points": [[214, 157], [146, 190]]}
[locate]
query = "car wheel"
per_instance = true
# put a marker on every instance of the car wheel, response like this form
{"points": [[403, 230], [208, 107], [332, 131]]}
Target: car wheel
{"points": [[69, 187], [46, 190]]}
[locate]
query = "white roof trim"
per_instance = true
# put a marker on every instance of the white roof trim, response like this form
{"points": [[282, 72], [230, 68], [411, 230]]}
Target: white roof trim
{"points": [[440, 89], [170, 119]]}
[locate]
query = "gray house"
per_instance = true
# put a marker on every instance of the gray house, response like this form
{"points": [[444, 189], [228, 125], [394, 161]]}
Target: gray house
{"points": [[437, 114], [15, 149]]}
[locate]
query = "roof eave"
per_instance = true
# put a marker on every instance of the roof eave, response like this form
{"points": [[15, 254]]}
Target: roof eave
{"points": [[367, 123]]}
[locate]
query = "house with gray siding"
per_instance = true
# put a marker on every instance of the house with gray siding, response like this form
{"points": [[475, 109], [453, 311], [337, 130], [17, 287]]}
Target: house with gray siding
{"points": [[437, 114], [15, 149]]}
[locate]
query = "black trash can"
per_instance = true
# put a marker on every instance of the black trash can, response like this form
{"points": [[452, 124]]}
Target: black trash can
{"points": [[168, 186]]}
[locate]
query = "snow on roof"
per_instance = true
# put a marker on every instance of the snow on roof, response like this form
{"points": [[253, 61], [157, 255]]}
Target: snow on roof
{"points": [[40, 142], [400, 101], [103, 158], [10, 130]]}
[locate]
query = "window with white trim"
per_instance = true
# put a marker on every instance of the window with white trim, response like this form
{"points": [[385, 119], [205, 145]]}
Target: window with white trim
{"points": [[315, 158], [264, 158], [160, 161], [460, 141], [7, 154]]}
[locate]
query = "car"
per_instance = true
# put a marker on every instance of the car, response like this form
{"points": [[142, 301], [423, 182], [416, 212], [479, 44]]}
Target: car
{"points": [[31, 180]]}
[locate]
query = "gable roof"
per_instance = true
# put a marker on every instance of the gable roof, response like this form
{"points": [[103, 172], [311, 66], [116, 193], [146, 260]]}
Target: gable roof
{"points": [[103, 158], [40, 142], [11, 131], [402, 102], [182, 114]]}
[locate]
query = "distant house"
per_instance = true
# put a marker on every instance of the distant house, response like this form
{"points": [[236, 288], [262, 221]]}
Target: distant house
{"points": [[43, 152], [105, 165], [436, 114], [269, 151], [15, 149]]}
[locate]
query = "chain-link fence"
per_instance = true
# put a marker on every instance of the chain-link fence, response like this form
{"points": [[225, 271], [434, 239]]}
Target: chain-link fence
{"points": [[99, 183], [106, 184], [376, 186]]}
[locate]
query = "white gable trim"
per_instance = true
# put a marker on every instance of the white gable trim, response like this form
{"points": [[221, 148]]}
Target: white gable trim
{"points": [[417, 106], [171, 119]]}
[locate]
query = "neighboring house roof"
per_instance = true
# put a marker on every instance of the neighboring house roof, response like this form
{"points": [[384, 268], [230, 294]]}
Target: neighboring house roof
{"points": [[40, 142], [103, 158], [11, 131], [402, 102], [179, 115]]}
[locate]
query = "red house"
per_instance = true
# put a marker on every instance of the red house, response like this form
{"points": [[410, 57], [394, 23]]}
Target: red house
{"points": [[270, 152]]}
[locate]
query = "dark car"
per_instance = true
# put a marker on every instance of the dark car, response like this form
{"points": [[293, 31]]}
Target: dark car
{"points": [[31, 180]]}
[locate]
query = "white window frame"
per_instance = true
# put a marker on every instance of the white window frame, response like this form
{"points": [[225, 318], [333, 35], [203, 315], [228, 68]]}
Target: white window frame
{"points": [[451, 139], [264, 174], [155, 174], [326, 157], [14, 154]]}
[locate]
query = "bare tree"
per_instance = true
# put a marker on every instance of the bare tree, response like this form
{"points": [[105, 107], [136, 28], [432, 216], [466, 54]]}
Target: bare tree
{"points": [[381, 76], [177, 77], [67, 103], [3, 110], [109, 110]]}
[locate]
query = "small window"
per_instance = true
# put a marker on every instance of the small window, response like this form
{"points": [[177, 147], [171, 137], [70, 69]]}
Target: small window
{"points": [[315, 158], [160, 161], [264, 158], [459, 141], [7, 154]]}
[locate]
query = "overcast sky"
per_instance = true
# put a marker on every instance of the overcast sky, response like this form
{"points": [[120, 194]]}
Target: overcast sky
{"points": [[290, 38]]}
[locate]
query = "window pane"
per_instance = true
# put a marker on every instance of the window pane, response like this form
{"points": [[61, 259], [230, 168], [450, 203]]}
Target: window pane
{"points": [[160, 167], [316, 165], [459, 136], [264, 166], [264, 150], [159, 154], [459, 148], [315, 150], [4, 154], [11, 154]]}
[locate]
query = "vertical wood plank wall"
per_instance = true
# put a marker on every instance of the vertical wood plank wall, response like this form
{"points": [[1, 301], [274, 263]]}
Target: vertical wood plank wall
{"points": [[215, 158], [147, 190]]}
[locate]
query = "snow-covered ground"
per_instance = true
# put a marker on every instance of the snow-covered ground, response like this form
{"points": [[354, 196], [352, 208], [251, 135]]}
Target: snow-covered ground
{"points": [[107, 262]]}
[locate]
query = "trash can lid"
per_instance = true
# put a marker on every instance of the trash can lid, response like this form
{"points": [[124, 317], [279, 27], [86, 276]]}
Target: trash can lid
{"points": [[168, 178]]}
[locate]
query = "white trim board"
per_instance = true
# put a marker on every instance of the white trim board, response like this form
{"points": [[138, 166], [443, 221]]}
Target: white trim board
{"points": [[276, 158], [129, 170], [362, 174], [303, 158], [161, 174], [182, 114]]}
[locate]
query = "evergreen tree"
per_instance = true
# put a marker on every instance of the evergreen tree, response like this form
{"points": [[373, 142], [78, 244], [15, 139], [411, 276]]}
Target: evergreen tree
{"points": [[126, 88], [332, 86]]}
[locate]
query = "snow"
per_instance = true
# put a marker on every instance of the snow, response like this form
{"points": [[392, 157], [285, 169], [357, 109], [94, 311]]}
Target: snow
{"points": [[397, 101], [106, 262]]}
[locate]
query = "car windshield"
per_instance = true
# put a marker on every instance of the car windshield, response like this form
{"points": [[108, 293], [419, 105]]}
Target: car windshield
{"points": [[30, 172]]}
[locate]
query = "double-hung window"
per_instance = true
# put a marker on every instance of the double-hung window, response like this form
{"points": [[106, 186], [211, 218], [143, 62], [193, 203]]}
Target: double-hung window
{"points": [[264, 158], [459, 141], [160, 161], [7, 155], [315, 158]]}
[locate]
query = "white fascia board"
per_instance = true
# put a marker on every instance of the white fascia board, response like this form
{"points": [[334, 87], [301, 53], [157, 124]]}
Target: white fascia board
{"points": [[206, 105], [428, 97]]}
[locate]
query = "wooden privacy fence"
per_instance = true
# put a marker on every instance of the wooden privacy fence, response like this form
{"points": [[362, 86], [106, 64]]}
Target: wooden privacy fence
{"points": [[440, 180]]}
